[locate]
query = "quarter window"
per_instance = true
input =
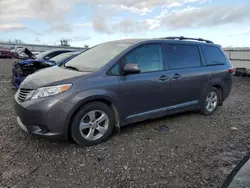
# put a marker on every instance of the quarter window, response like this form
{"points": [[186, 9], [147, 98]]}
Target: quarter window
{"points": [[115, 71], [213, 55], [148, 57], [182, 56]]}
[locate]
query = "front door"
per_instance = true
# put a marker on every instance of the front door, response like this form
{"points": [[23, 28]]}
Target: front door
{"points": [[144, 95]]}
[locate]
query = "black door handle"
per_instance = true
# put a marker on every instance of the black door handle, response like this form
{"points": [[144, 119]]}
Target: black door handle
{"points": [[163, 78], [176, 76]]}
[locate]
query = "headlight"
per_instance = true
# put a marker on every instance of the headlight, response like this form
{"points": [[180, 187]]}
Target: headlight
{"points": [[47, 91]]}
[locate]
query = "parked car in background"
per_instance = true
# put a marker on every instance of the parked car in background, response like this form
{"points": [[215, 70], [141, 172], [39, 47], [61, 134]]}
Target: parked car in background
{"points": [[16, 51], [19, 53], [44, 56], [23, 56], [122, 82], [24, 68], [64, 58], [4, 53], [47, 55], [15, 55], [16, 48], [35, 52]]}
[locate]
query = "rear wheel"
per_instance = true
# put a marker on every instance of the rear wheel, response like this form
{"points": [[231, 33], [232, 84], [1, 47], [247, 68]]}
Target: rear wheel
{"points": [[93, 124], [210, 101]]}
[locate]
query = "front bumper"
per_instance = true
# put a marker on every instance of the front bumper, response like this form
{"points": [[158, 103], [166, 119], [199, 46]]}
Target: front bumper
{"points": [[21, 125], [48, 117]]}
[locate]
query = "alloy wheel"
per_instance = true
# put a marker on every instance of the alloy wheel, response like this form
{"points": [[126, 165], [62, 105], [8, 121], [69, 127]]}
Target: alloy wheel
{"points": [[211, 101], [94, 125]]}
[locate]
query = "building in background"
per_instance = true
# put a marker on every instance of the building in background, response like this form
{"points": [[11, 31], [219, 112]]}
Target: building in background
{"points": [[240, 57]]}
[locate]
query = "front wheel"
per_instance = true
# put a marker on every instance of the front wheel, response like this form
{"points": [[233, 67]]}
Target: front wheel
{"points": [[210, 101], [93, 124]]}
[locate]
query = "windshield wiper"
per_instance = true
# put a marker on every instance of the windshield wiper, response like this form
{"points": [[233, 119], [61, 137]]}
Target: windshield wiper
{"points": [[71, 67]]}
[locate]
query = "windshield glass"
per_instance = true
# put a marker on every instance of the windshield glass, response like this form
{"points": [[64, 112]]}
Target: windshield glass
{"points": [[62, 57], [41, 55], [96, 57]]}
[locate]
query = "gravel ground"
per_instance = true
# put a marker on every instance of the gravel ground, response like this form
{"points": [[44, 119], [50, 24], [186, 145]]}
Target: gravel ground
{"points": [[195, 151]]}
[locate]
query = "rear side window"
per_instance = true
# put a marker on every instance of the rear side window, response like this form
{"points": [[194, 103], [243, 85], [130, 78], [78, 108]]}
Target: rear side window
{"points": [[149, 58], [213, 55], [182, 56]]}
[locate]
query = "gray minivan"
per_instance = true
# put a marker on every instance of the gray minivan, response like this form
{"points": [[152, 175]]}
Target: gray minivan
{"points": [[121, 82]]}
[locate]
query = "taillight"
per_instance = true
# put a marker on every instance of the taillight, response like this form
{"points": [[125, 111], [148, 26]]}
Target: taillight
{"points": [[231, 70]]}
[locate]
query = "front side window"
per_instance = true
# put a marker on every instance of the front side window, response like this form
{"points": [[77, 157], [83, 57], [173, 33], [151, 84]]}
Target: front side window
{"points": [[182, 56], [213, 55], [148, 57]]}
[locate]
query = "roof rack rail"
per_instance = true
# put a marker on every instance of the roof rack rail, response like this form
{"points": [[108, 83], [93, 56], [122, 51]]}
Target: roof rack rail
{"points": [[186, 38]]}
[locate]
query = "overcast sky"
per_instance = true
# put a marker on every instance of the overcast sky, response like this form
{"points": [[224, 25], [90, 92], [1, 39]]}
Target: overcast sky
{"points": [[226, 22]]}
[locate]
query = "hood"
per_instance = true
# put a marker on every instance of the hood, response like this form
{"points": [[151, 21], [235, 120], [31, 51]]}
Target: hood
{"points": [[29, 53], [49, 76]]}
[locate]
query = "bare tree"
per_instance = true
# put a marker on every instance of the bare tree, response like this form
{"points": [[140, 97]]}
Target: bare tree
{"points": [[18, 41], [64, 42]]}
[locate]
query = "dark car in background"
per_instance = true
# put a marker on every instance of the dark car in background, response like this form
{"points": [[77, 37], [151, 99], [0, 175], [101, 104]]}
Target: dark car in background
{"points": [[123, 82], [4, 53], [47, 55], [63, 58], [22, 69]]}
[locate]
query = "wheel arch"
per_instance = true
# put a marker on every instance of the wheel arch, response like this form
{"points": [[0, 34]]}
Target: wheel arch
{"points": [[106, 100], [220, 89]]}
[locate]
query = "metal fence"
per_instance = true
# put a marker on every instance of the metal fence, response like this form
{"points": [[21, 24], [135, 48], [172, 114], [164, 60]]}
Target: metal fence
{"points": [[240, 57]]}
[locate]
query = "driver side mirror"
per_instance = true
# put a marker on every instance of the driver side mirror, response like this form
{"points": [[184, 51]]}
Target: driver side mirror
{"points": [[131, 68]]}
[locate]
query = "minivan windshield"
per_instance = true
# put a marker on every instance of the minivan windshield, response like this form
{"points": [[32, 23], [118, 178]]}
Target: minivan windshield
{"points": [[96, 57]]}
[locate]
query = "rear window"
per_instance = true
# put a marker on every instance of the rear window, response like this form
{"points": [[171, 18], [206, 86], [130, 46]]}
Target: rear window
{"points": [[213, 55], [182, 56]]}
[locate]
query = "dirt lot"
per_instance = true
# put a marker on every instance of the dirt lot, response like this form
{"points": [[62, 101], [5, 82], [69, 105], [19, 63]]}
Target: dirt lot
{"points": [[196, 151]]}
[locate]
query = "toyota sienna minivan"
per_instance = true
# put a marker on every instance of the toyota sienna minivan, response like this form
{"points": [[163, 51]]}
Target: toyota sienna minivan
{"points": [[122, 82]]}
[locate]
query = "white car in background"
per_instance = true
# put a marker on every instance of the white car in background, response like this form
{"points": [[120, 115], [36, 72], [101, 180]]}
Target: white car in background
{"points": [[16, 48], [18, 52], [35, 52]]}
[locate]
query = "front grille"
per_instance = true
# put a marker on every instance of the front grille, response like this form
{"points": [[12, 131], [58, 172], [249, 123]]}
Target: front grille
{"points": [[22, 93]]}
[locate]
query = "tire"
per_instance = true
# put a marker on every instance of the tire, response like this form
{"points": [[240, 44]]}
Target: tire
{"points": [[204, 105], [83, 135]]}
